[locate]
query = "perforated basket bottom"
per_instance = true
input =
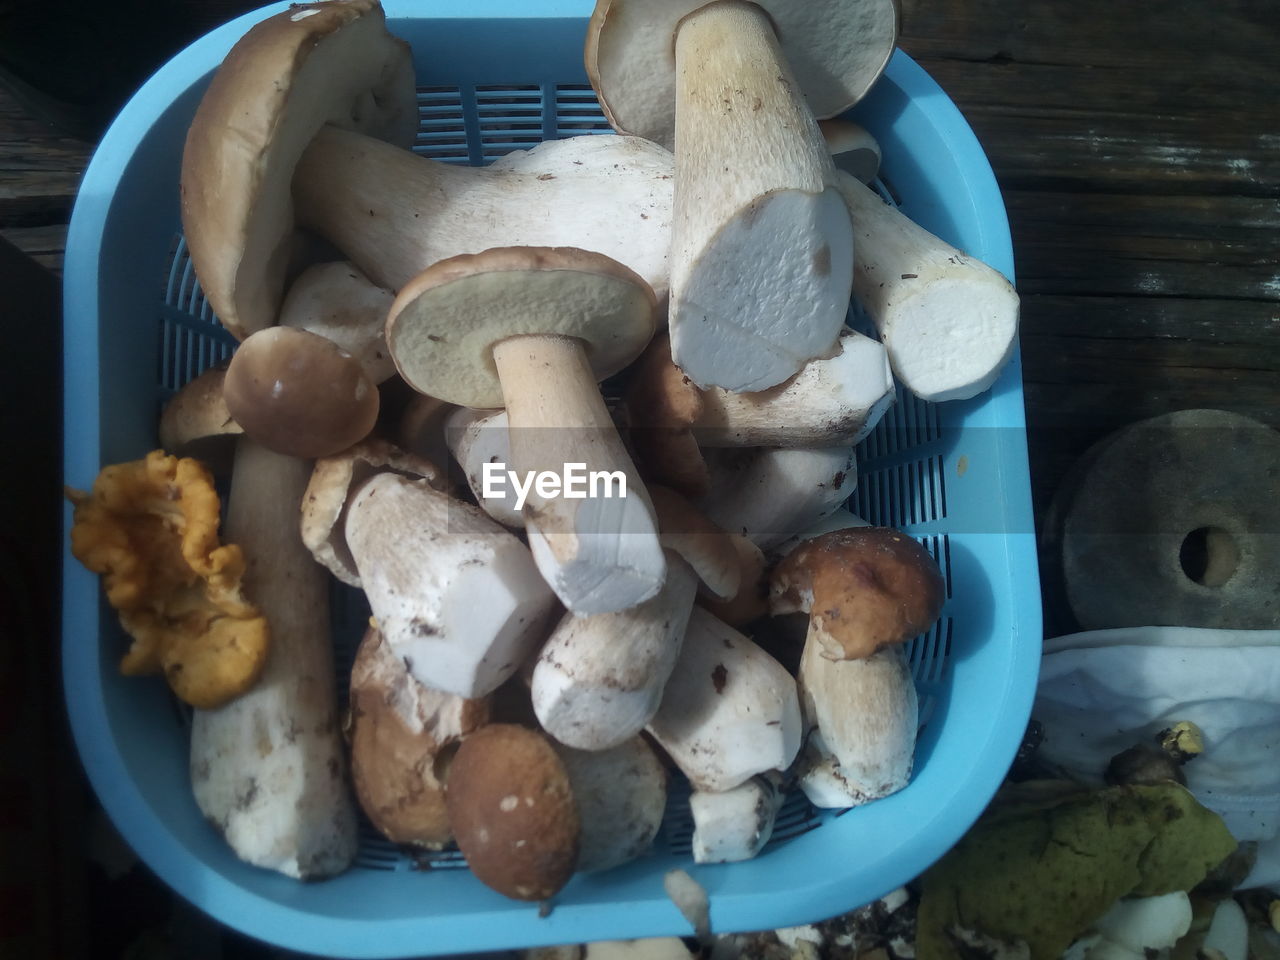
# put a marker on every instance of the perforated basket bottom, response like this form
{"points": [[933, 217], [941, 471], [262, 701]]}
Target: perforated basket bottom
{"points": [[900, 482]]}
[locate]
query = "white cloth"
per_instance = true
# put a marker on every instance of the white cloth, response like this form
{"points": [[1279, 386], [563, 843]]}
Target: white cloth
{"points": [[1102, 691]]}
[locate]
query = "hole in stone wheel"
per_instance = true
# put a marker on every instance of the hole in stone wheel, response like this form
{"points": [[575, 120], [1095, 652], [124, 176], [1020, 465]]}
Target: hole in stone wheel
{"points": [[1209, 556]]}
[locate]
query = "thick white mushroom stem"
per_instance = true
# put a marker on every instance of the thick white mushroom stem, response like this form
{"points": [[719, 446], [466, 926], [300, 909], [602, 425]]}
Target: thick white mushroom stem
{"points": [[268, 769], [395, 213], [866, 714], [947, 320], [835, 400], [456, 596], [769, 494], [476, 438], [595, 537], [762, 246], [599, 679], [729, 711], [734, 825]]}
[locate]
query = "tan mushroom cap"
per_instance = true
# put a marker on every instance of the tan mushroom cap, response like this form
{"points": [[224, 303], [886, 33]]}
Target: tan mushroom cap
{"points": [[513, 813], [311, 65], [399, 731], [332, 480], [836, 50], [864, 589], [197, 414], [703, 545], [299, 394], [445, 322]]}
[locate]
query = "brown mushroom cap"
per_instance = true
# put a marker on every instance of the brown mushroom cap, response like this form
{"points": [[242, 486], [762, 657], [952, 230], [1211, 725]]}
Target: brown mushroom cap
{"points": [[445, 321], [513, 812], [196, 423], [399, 729], [864, 589], [299, 394]]}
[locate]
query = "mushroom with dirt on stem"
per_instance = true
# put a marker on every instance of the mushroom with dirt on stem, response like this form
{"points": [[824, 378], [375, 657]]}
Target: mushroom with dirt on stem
{"points": [[729, 710], [455, 595], [532, 330], [867, 590], [734, 825], [598, 680], [745, 80]]}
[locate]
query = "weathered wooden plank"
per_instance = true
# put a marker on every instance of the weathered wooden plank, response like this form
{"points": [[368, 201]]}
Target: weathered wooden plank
{"points": [[45, 245], [1100, 244], [1218, 40], [39, 170]]}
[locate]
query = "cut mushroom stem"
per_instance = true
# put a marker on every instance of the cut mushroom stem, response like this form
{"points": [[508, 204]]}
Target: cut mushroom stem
{"points": [[268, 769], [456, 596], [947, 320], [533, 329], [769, 494], [476, 438], [761, 262], [599, 679], [734, 825], [729, 711]]}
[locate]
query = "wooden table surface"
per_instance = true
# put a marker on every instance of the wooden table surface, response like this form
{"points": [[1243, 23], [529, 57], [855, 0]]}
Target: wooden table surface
{"points": [[1138, 147]]}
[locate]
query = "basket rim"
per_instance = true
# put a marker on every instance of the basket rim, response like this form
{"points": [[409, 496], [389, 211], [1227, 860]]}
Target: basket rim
{"points": [[292, 925]]}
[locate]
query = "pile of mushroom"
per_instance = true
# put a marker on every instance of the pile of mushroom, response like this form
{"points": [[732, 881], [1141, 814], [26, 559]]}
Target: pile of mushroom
{"points": [[536, 663]]}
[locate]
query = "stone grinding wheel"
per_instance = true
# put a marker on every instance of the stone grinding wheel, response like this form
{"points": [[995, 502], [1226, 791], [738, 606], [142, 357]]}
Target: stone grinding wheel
{"points": [[1173, 521]]}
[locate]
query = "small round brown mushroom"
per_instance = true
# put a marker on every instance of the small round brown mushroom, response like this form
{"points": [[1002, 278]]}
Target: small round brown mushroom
{"points": [[513, 813], [299, 394], [400, 730], [864, 589]]}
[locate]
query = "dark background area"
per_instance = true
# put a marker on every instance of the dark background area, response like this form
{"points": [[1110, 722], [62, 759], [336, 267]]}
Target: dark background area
{"points": [[1138, 147]]}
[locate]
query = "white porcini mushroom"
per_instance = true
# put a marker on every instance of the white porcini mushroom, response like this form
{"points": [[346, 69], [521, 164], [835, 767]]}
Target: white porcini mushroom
{"points": [[332, 480], [456, 596], [759, 279], [338, 302], [621, 794], [734, 825], [853, 149], [268, 768], [729, 711], [867, 713], [835, 400], [476, 438], [769, 494], [533, 329], [599, 679], [947, 320], [867, 590], [307, 124]]}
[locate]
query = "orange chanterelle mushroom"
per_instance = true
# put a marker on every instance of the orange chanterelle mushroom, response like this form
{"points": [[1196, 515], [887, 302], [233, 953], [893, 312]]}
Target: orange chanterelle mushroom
{"points": [[150, 528]]}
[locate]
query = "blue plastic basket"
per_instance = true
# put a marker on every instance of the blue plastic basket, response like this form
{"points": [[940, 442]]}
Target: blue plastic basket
{"points": [[497, 75]]}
